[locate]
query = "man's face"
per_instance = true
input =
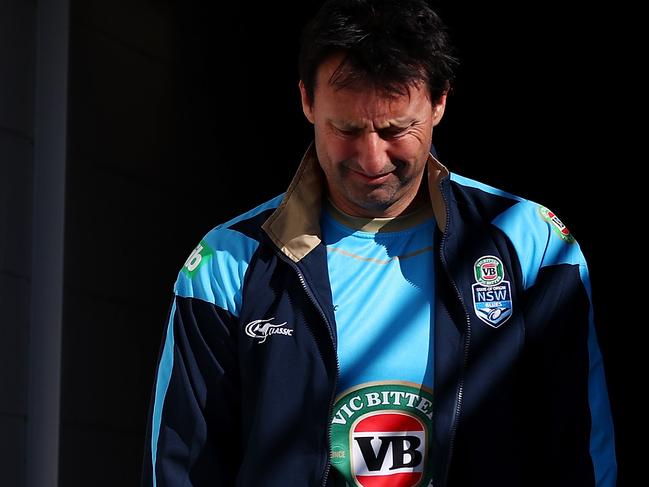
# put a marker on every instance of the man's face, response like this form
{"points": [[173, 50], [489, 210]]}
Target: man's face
{"points": [[372, 146]]}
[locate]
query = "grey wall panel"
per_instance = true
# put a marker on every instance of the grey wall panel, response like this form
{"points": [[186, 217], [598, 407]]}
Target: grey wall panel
{"points": [[12, 448], [17, 44], [17, 59], [15, 204], [50, 136], [14, 333]]}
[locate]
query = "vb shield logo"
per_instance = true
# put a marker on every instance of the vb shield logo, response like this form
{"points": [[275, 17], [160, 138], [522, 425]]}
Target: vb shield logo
{"points": [[488, 271], [380, 435], [388, 449]]}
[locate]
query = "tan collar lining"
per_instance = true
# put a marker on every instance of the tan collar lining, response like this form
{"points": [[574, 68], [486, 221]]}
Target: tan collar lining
{"points": [[294, 226]]}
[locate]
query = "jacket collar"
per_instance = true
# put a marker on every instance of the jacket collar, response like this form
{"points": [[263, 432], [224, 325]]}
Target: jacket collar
{"points": [[294, 227]]}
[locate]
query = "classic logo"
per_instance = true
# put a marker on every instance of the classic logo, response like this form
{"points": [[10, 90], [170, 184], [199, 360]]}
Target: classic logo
{"points": [[198, 256], [557, 225], [492, 301], [380, 435], [262, 329]]}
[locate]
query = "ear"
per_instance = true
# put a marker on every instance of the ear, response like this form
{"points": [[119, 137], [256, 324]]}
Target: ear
{"points": [[438, 108], [307, 105]]}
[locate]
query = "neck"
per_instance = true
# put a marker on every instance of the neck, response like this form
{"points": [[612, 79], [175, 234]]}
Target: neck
{"points": [[421, 198]]}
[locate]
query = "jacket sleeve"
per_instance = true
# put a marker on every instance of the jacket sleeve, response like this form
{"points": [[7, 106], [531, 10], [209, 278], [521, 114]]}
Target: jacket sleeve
{"points": [[193, 428], [569, 418]]}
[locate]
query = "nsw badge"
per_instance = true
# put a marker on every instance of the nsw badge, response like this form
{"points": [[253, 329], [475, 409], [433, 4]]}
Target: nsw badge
{"points": [[492, 294]]}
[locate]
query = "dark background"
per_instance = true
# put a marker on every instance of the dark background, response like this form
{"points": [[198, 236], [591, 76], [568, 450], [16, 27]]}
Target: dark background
{"points": [[184, 114]]}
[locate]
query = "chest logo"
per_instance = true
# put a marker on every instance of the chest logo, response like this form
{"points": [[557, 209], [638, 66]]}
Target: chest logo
{"points": [[380, 435], [262, 329], [492, 294], [390, 446]]}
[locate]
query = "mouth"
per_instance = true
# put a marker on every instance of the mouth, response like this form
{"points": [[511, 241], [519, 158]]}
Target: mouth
{"points": [[376, 179]]}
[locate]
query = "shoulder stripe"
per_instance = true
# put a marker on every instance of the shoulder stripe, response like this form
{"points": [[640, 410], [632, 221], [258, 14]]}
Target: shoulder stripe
{"points": [[536, 244], [216, 269], [484, 187], [271, 204], [602, 435], [220, 280], [529, 238], [162, 384]]}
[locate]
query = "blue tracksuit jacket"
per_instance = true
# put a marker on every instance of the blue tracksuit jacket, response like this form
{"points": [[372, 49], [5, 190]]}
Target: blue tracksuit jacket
{"points": [[248, 367]]}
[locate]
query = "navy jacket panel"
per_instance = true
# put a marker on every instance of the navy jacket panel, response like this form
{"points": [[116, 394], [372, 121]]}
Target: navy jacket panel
{"points": [[287, 379], [489, 355], [544, 363]]}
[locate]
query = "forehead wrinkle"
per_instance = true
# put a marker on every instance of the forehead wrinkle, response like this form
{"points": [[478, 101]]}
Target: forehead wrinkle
{"points": [[400, 122], [360, 111], [370, 108]]}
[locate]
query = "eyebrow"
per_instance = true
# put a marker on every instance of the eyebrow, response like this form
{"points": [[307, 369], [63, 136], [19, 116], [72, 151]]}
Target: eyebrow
{"points": [[395, 123]]}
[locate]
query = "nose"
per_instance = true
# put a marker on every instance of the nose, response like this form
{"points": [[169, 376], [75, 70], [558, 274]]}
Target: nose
{"points": [[373, 157]]}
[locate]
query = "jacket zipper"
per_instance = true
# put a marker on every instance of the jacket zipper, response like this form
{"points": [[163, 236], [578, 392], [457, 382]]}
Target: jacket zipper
{"points": [[465, 356], [315, 303], [333, 394]]}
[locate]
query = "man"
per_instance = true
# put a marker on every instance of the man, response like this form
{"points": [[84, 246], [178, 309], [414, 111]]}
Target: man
{"points": [[384, 322]]}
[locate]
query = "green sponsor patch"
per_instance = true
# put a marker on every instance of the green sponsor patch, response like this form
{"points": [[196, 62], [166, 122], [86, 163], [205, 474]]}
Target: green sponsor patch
{"points": [[197, 258]]}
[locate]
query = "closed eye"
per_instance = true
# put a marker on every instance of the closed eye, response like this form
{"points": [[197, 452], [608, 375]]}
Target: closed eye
{"points": [[347, 132], [393, 132]]}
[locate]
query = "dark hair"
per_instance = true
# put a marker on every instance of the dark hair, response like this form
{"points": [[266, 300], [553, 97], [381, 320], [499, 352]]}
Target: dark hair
{"points": [[390, 44]]}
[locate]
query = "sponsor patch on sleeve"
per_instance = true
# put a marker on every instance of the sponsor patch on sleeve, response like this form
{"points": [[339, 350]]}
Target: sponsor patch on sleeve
{"points": [[197, 258], [556, 224]]}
